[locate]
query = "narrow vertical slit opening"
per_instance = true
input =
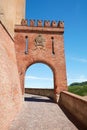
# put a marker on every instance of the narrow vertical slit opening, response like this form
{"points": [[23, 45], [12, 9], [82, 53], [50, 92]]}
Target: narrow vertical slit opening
{"points": [[26, 44], [53, 45]]}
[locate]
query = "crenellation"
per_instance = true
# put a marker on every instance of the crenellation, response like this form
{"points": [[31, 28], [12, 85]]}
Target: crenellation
{"points": [[54, 24], [61, 24], [32, 23], [47, 23], [42, 23], [24, 22], [39, 23]]}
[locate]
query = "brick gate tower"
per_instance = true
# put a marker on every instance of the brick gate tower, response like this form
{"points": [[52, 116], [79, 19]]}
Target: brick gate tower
{"points": [[41, 42]]}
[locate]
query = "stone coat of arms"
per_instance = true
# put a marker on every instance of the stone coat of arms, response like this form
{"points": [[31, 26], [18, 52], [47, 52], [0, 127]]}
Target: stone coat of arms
{"points": [[39, 41]]}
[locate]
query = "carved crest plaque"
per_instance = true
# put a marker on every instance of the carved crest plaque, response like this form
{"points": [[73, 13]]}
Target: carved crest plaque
{"points": [[39, 41]]}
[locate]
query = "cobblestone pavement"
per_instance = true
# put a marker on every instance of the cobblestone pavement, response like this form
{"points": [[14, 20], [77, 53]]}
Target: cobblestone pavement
{"points": [[40, 113]]}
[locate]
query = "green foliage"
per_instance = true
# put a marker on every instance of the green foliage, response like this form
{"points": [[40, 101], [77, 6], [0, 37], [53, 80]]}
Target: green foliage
{"points": [[79, 84], [78, 88]]}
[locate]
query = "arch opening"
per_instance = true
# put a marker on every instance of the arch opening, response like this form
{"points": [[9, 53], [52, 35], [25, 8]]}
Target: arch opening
{"points": [[39, 80], [39, 75]]}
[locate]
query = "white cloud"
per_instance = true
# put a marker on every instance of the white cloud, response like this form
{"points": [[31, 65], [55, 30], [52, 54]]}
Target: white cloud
{"points": [[37, 78], [79, 78], [79, 59]]}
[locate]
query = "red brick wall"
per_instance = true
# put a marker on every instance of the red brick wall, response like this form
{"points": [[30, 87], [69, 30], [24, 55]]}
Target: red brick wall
{"points": [[10, 92], [42, 54]]}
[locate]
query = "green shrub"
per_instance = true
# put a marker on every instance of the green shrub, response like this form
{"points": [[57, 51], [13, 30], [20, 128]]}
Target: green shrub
{"points": [[79, 90]]}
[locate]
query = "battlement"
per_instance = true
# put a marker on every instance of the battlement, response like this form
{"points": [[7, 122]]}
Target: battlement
{"points": [[41, 23], [45, 26]]}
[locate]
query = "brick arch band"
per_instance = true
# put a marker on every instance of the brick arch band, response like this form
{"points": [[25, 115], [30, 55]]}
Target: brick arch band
{"points": [[45, 45]]}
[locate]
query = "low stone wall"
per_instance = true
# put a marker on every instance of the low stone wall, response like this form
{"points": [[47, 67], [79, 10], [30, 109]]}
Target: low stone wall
{"points": [[41, 92], [76, 105]]}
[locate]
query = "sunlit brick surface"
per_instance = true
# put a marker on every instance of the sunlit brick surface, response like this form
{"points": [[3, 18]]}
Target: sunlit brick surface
{"points": [[10, 92], [42, 51]]}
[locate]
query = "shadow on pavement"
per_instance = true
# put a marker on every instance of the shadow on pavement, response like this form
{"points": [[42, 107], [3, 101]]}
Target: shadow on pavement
{"points": [[37, 99]]}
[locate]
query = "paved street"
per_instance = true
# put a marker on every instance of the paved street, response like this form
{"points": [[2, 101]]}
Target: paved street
{"points": [[40, 113]]}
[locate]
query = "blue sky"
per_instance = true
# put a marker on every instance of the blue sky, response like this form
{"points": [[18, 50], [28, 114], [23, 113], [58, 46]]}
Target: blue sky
{"points": [[74, 15]]}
